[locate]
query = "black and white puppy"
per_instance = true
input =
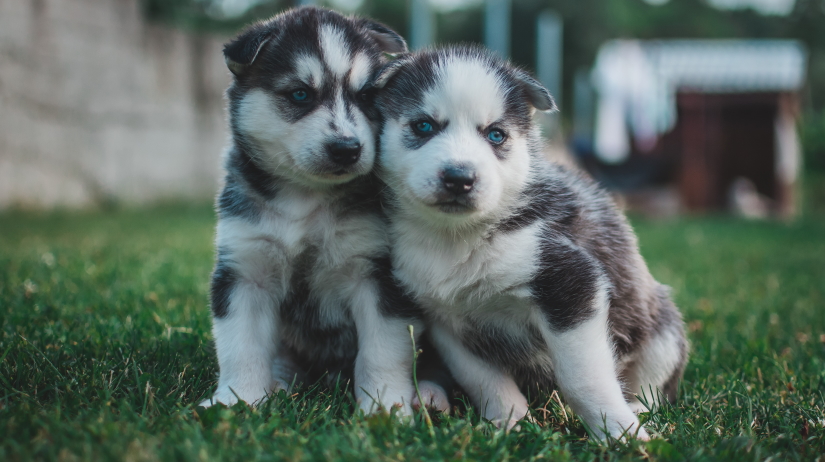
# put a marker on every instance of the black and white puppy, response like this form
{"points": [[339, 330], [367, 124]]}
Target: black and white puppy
{"points": [[529, 276], [302, 281]]}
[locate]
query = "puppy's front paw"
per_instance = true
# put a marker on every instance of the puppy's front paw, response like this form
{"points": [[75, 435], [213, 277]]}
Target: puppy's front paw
{"points": [[434, 397], [519, 413], [384, 402], [637, 406], [508, 424], [219, 398], [642, 435], [628, 430], [229, 395]]}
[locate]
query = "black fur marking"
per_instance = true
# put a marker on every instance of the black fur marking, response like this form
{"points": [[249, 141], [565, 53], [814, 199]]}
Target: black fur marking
{"points": [[393, 300], [404, 90], [431, 366], [535, 92], [565, 284], [293, 112], [500, 348], [233, 202], [388, 39], [319, 345], [223, 281], [242, 51], [519, 356], [543, 200], [256, 178], [412, 141]]}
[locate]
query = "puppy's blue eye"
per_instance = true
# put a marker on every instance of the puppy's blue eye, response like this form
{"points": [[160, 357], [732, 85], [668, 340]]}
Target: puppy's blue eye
{"points": [[496, 136], [423, 126], [299, 95]]}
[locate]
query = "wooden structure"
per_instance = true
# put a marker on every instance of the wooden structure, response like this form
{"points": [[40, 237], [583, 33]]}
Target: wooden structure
{"points": [[730, 141]]}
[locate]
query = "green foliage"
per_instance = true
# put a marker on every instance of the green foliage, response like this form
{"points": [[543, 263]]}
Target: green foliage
{"points": [[812, 134], [105, 348], [195, 14]]}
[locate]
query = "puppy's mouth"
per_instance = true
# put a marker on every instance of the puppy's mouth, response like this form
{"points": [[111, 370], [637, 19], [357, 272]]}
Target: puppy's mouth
{"points": [[338, 173], [454, 206]]}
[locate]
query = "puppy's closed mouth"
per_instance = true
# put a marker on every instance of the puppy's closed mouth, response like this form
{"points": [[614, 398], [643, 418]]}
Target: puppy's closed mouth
{"points": [[453, 206]]}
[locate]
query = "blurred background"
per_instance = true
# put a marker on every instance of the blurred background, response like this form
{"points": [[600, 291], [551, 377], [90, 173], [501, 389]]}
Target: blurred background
{"points": [[680, 106]]}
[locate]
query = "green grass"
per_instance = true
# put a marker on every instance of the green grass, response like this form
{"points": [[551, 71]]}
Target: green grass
{"points": [[105, 347]]}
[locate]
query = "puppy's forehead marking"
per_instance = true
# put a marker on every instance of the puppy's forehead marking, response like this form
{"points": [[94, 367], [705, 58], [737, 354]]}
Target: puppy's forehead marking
{"points": [[361, 67], [310, 70], [334, 48], [467, 91]]}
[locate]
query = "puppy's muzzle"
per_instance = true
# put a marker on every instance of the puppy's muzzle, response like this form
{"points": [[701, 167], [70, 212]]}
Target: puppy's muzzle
{"points": [[344, 151]]}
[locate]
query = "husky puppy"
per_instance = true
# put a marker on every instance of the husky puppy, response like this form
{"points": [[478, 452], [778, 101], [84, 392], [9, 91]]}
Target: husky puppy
{"points": [[529, 276], [302, 283]]}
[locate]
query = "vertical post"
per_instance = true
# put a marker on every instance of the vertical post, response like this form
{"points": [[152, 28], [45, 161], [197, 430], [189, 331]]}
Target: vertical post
{"points": [[422, 30], [497, 26], [549, 52], [583, 103], [548, 63]]}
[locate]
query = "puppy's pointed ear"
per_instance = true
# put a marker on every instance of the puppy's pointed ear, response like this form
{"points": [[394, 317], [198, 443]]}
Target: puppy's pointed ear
{"points": [[538, 96], [385, 73], [388, 40], [241, 52]]}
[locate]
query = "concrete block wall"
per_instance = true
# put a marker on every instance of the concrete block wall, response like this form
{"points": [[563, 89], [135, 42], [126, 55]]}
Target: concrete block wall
{"points": [[97, 105]]}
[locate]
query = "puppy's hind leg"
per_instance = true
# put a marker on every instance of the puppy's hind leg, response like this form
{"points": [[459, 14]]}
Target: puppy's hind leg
{"points": [[658, 364]]}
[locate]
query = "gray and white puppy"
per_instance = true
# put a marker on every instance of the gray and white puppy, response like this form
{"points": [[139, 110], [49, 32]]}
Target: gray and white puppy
{"points": [[302, 281], [529, 276]]}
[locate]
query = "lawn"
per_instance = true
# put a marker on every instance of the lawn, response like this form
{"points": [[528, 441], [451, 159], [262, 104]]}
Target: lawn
{"points": [[105, 348]]}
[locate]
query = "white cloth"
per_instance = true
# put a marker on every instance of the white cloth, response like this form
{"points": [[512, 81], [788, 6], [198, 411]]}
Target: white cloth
{"points": [[629, 98]]}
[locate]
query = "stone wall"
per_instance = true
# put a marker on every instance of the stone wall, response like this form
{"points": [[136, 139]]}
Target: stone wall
{"points": [[97, 105]]}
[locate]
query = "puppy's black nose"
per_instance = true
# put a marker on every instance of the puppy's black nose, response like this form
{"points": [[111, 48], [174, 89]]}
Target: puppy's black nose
{"points": [[344, 151], [458, 180]]}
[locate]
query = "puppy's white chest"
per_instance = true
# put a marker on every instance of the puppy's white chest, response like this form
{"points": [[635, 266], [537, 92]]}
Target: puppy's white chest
{"points": [[471, 275]]}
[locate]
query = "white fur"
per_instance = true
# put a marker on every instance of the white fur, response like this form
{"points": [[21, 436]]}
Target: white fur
{"points": [[333, 46], [245, 348], [383, 369], [460, 271], [651, 366], [360, 73], [310, 70], [477, 101]]}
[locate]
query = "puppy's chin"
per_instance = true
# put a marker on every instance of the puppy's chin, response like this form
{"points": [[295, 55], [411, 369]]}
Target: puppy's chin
{"points": [[445, 214], [322, 176], [334, 177], [454, 207]]}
